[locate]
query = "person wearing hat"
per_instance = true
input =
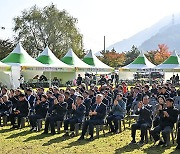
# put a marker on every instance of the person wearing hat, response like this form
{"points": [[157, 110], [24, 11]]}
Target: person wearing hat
{"points": [[21, 110], [168, 117]]}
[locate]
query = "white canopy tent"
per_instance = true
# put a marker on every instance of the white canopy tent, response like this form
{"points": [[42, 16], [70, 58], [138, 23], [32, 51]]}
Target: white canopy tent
{"points": [[140, 64], [22, 63], [80, 67], [56, 67], [99, 66]]}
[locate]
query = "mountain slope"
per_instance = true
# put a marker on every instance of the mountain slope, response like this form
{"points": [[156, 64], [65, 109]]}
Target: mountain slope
{"points": [[169, 36], [141, 38]]}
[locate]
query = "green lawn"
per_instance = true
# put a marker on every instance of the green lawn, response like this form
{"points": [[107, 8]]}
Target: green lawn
{"points": [[24, 141]]}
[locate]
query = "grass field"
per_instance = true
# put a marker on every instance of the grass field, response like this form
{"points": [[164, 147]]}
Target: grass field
{"points": [[25, 142]]}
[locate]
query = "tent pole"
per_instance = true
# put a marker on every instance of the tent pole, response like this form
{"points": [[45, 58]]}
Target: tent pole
{"points": [[50, 79], [96, 79]]}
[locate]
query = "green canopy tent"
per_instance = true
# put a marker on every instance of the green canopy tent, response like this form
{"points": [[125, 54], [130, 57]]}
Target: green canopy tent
{"points": [[72, 59], [80, 67], [22, 63], [171, 64], [56, 67], [140, 64], [99, 66]]}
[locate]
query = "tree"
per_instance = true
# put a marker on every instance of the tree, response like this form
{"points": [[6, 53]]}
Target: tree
{"points": [[158, 56], [6, 46], [131, 55], [162, 54], [36, 28], [150, 56], [112, 58]]}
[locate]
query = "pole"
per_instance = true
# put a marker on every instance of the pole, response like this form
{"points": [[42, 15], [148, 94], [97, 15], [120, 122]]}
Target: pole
{"points": [[50, 79], [104, 43]]}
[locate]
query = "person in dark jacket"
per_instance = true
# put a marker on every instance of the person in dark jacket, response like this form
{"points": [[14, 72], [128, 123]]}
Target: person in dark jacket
{"points": [[178, 135], [31, 99], [21, 110], [78, 114], [144, 122], [79, 80], [117, 113], [168, 117], [137, 97], [87, 102], [5, 107], [58, 112], [69, 102], [41, 109], [97, 115]]}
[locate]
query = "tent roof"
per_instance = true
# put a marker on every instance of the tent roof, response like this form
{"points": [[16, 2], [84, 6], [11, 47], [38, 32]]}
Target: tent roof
{"points": [[141, 62], [92, 60], [20, 57], [71, 59], [172, 62], [47, 57]]}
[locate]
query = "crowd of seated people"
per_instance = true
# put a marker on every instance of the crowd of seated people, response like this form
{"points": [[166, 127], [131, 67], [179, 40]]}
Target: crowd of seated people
{"points": [[156, 106]]}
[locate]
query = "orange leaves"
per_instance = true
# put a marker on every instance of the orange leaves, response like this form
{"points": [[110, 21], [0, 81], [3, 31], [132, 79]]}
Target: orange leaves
{"points": [[162, 54], [113, 59]]}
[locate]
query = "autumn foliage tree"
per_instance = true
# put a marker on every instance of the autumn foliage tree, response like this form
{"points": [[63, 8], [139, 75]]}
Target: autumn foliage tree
{"points": [[162, 55], [159, 56], [112, 58]]}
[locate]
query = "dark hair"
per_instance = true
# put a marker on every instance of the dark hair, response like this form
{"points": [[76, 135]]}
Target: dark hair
{"points": [[119, 94], [44, 96], [50, 92], [146, 86], [170, 100], [67, 93], [72, 90], [161, 96], [81, 97], [21, 95], [178, 92]]}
